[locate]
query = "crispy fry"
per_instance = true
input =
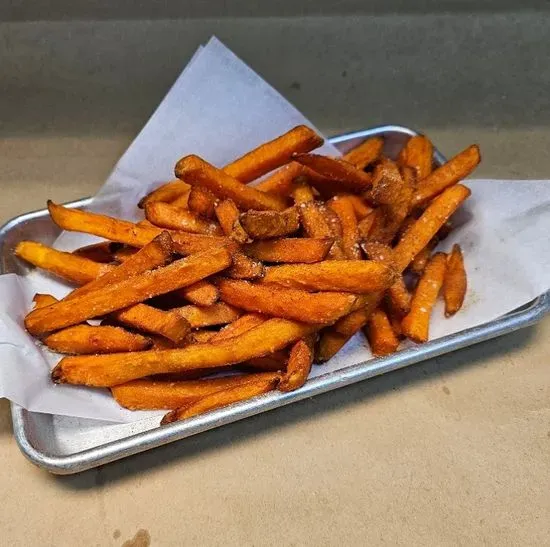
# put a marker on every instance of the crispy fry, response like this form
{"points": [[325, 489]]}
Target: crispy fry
{"points": [[271, 362], [302, 250], [198, 172], [167, 193], [240, 325], [126, 293], [359, 206], [424, 229], [454, 288], [273, 154], [201, 293], [270, 224], [166, 215], [330, 343], [317, 308], [43, 300], [228, 217], [343, 207], [143, 317], [366, 153], [354, 321], [380, 335], [416, 323], [418, 153], [207, 316], [299, 365], [456, 169], [419, 262], [365, 225], [114, 369], [65, 265], [122, 252], [317, 225], [399, 297], [344, 175], [168, 395], [281, 181], [245, 268], [82, 339], [183, 201], [356, 276], [201, 336], [98, 252], [256, 386], [202, 202], [301, 190]]}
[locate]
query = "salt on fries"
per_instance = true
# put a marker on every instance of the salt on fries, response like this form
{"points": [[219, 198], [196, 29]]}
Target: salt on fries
{"points": [[228, 290]]}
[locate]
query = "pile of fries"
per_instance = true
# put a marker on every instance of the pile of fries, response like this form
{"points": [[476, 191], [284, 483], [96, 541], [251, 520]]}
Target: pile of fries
{"points": [[228, 290]]}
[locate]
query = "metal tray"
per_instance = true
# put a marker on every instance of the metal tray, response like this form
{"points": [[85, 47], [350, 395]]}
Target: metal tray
{"points": [[65, 445]]}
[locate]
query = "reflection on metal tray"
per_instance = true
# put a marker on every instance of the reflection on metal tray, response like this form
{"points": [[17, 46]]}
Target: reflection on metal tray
{"points": [[68, 445]]}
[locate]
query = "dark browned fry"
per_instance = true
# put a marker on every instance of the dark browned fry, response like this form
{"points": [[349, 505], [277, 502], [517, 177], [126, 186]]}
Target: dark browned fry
{"points": [[98, 252], [228, 217], [299, 364], [202, 202], [270, 224], [245, 268]]}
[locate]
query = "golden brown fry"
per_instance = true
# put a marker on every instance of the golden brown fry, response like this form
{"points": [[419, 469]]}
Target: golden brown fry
{"points": [[418, 153], [273, 154], [317, 225], [169, 394], [201, 336], [167, 193], [126, 293], [202, 202], [344, 175], [366, 153], [83, 339], [143, 317], [270, 224], [281, 181], [166, 215], [330, 343], [301, 250], [201, 293], [198, 172], [316, 308], [419, 262], [207, 316], [122, 252], [456, 169], [354, 321], [299, 365], [272, 362], [65, 265], [356, 276], [98, 252], [364, 227], [301, 190], [256, 386], [240, 325], [43, 300], [228, 217], [361, 208], [454, 288], [344, 209], [245, 268], [183, 201], [399, 297], [416, 323], [380, 335], [114, 369]]}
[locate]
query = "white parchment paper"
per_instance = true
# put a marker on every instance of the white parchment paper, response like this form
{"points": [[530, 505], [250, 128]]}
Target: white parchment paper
{"points": [[219, 108]]}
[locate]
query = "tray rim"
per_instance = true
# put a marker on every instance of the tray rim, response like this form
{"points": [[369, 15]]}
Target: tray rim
{"points": [[146, 440]]}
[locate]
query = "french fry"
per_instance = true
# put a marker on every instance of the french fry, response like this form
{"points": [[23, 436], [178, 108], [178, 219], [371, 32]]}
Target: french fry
{"points": [[202, 202], [301, 250], [245, 268], [399, 297], [273, 154], [143, 317], [122, 252], [456, 169], [416, 323], [299, 365], [301, 190], [98, 252], [316, 308], [240, 325], [201, 336], [330, 343], [165, 215], [418, 154], [183, 201], [168, 395], [424, 229], [167, 193], [281, 181], [343, 207], [364, 226], [455, 285], [207, 316], [270, 224], [65, 265], [83, 339], [198, 172], [366, 153], [118, 368], [359, 206], [355, 276], [43, 300], [344, 175], [256, 386], [419, 262], [201, 293], [228, 217], [379, 333], [317, 225], [126, 293], [272, 362]]}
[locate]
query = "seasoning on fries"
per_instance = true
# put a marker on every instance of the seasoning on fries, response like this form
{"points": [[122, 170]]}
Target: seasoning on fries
{"points": [[227, 290]]}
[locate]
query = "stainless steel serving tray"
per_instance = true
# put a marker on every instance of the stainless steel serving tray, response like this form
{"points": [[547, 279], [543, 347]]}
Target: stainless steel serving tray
{"points": [[65, 445]]}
